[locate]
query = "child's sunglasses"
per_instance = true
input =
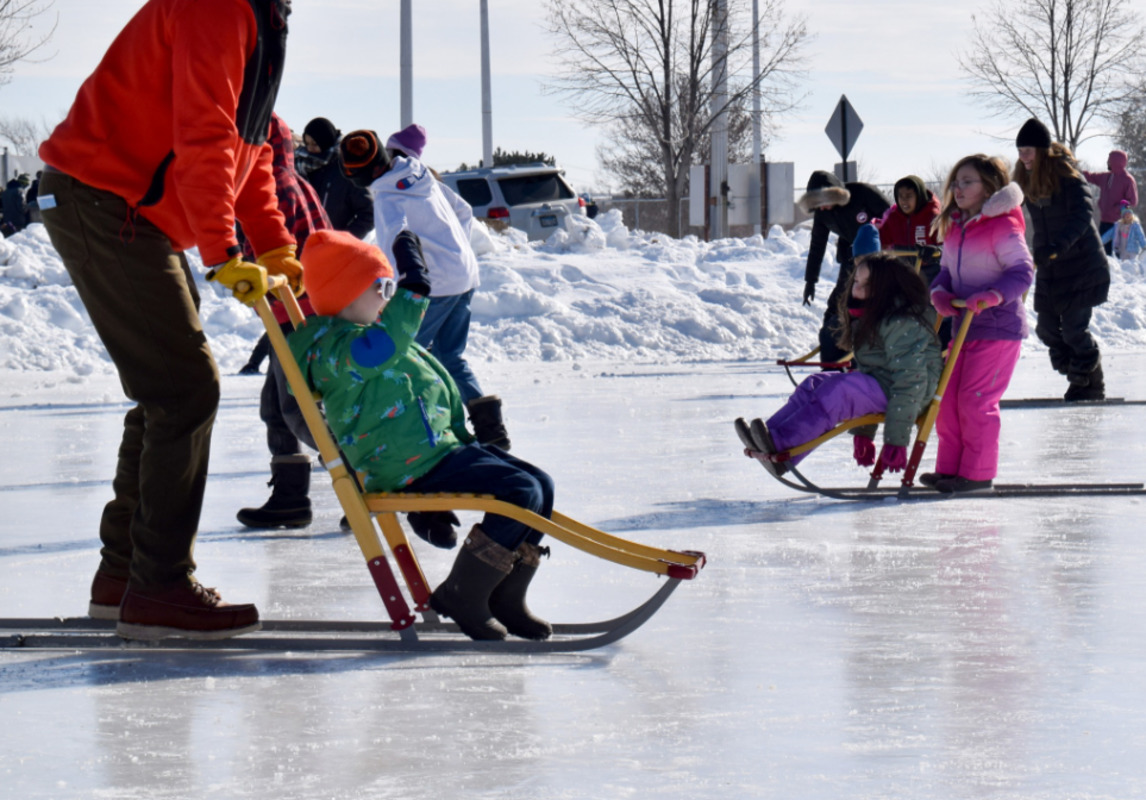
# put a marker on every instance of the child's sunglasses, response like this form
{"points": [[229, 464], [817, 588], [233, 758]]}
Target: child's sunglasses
{"points": [[387, 285]]}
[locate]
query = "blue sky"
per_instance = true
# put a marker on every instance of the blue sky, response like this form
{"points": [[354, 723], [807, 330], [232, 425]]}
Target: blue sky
{"points": [[894, 59]]}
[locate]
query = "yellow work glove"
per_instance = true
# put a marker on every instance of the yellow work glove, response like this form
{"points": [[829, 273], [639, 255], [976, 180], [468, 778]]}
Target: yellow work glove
{"points": [[247, 281], [281, 261]]}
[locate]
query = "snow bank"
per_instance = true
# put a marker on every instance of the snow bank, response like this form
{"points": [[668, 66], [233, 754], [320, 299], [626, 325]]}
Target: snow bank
{"points": [[596, 290]]}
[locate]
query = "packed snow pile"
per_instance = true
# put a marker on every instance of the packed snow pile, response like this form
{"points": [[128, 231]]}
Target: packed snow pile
{"points": [[594, 291]]}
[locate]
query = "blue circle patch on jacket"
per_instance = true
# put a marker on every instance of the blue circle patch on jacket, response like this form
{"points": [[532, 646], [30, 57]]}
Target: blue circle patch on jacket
{"points": [[373, 348]]}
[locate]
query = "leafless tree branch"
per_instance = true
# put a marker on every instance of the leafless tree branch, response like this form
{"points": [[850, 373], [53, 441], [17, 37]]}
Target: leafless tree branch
{"points": [[1071, 63], [644, 69]]}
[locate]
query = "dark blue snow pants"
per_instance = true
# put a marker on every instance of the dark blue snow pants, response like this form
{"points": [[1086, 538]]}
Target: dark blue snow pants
{"points": [[485, 469]]}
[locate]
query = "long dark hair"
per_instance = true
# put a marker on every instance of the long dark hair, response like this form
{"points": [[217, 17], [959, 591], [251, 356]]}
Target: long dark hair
{"points": [[893, 288], [1051, 166]]}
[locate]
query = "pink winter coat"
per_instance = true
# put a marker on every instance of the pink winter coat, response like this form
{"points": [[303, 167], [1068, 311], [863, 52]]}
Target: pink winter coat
{"points": [[1116, 185], [989, 251]]}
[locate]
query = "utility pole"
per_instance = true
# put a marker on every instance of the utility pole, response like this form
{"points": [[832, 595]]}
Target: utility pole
{"points": [[486, 93], [406, 63], [754, 182], [719, 172]]}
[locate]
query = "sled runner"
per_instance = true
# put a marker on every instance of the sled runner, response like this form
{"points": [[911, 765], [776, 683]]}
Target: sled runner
{"points": [[362, 510], [924, 425], [805, 360], [1058, 402]]}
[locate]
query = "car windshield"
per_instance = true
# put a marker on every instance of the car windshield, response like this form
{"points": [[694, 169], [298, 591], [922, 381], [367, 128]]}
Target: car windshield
{"points": [[542, 188]]}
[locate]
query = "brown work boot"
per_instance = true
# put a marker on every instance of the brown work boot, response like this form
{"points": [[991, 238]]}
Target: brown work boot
{"points": [[186, 609], [107, 593]]}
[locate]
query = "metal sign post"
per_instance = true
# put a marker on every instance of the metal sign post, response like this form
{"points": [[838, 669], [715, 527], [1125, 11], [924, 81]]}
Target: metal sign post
{"points": [[843, 129]]}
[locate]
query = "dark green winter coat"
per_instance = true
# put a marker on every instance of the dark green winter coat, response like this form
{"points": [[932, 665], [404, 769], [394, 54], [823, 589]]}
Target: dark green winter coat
{"points": [[906, 362], [1079, 275], [392, 406]]}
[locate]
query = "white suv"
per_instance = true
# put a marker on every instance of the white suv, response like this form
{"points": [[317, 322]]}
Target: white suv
{"points": [[534, 198]]}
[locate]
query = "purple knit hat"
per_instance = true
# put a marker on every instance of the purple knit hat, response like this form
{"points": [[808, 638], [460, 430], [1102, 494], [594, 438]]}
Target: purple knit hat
{"points": [[410, 140]]}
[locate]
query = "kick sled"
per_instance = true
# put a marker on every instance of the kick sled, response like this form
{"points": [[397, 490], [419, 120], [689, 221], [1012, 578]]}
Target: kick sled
{"points": [[778, 463], [412, 626]]}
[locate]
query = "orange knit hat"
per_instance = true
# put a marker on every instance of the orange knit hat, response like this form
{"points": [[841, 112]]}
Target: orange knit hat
{"points": [[338, 267]]}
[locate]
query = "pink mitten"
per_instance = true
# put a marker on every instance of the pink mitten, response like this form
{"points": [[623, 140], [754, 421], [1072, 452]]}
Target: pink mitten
{"points": [[981, 301], [894, 457], [863, 451], [942, 302]]}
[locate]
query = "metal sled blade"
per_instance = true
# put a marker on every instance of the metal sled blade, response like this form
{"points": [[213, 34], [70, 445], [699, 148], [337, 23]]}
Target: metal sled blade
{"points": [[1058, 402], [282, 636]]}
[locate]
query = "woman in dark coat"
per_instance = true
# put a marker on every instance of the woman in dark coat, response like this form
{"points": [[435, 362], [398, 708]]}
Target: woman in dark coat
{"points": [[842, 209], [1072, 275]]}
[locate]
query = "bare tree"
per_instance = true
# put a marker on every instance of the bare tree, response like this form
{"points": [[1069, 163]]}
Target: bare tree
{"points": [[1131, 132], [644, 68], [16, 40], [1067, 62], [624, 154], [23, 135]]}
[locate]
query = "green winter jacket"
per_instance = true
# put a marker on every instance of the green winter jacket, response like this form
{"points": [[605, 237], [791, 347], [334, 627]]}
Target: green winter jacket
{"points": [[394, 410], [906, 362]]}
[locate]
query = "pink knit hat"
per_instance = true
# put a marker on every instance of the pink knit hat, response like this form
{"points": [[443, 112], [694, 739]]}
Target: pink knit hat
{"points": [[411, 140]]}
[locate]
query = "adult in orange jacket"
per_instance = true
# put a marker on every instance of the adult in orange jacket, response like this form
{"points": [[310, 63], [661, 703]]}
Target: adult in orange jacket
{"points": [[163, 149]]}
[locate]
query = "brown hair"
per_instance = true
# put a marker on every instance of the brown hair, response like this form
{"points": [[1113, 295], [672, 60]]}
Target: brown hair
{"points": [[893, 289], [1051, 165], [992, 171]]}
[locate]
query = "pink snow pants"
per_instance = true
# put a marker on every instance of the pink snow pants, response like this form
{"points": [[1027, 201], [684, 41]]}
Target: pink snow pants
{"points": [[969, 423], [821, 402]]}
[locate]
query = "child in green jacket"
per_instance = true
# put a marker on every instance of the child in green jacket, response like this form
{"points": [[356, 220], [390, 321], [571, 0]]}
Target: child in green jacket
{"points": [[891, 333], [399, 419]]}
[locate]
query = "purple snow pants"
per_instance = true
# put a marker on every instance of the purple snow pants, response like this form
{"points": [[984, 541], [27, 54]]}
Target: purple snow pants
{"points": [[821, 402], [969, 422]]}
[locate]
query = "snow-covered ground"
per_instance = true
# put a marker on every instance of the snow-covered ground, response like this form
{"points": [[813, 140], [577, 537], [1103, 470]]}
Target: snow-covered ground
{"points": [[602, 292], [954, 649]]}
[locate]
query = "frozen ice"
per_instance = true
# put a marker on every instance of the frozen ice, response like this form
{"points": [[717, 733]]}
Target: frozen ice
{"points": [[967, 648]]}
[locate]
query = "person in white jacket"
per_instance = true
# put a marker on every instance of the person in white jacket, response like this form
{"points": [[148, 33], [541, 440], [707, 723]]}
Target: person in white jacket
{"points": [[407, 196]]}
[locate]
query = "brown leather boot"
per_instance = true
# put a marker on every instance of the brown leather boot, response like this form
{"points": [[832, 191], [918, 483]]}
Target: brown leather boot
{"points": [[186, 609], [107, 593], [464, 595]]}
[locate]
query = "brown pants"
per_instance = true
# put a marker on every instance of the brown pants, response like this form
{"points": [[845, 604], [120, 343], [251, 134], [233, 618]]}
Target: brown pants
{"points": [[144, 305]]}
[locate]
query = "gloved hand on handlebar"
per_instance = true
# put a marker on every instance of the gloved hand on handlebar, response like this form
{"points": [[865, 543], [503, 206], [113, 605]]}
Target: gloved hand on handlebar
{"points": [[247, 281], [282, 261]]}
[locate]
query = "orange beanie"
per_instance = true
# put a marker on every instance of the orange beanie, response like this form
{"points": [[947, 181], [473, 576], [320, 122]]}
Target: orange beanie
{"points": [[338, 267]]}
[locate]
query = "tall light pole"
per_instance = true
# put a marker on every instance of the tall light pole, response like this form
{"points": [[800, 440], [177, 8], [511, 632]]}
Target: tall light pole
{"points": [[754, 182], [406, 63], [486, 94], [719, 170]]}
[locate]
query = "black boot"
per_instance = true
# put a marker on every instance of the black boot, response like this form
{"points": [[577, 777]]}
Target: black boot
{"points": [[1084, 386], [464, 595], [485, 417], [508, 600], [289, 504]]}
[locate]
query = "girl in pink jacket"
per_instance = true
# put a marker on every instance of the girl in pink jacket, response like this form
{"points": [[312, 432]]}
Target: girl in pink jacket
{"points": [[987, 264]]}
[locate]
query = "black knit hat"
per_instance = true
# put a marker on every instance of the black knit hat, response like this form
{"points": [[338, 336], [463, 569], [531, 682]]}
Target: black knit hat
{"points": [[323, 132], [1033, 134]]}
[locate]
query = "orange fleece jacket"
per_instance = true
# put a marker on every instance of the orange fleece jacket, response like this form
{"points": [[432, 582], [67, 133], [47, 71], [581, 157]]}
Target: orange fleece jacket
{"points": [[170, 84]]}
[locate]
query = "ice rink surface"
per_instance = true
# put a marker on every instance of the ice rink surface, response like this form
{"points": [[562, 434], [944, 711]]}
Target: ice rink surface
{"points": [[946, 649]]}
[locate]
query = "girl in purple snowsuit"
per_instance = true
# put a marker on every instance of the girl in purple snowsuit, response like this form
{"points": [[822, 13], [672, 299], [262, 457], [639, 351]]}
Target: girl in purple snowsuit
{"points": [[986, 263], [891, 332]]}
